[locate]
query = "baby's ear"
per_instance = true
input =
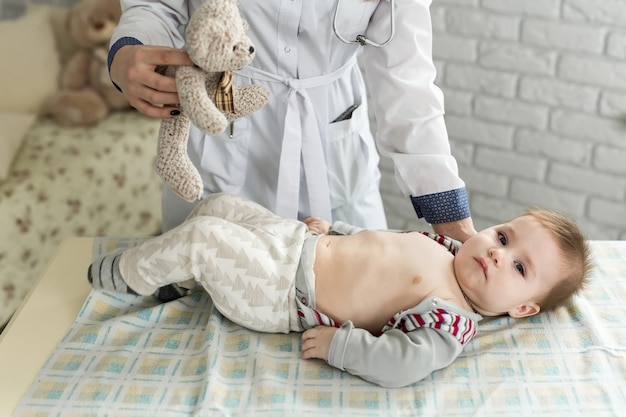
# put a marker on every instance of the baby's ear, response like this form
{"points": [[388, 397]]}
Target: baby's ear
{"points": [[525, 310]]}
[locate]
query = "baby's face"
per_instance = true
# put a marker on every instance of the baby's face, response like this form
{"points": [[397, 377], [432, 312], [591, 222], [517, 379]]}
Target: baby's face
{"points": [[508, 267]]}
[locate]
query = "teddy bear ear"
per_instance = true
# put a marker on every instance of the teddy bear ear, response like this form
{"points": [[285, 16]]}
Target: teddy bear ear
{"points": [[245, 25]]}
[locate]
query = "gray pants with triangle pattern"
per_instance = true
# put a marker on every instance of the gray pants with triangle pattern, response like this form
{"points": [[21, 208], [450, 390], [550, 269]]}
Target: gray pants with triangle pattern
{"points": [[243, 255]]}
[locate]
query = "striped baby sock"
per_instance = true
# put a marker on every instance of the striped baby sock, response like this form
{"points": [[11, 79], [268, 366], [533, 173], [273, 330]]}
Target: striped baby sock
{"points": [[105, 273]]}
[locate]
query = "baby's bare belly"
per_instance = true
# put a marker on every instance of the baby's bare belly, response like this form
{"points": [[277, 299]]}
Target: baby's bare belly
{"points": [[370, 276]]}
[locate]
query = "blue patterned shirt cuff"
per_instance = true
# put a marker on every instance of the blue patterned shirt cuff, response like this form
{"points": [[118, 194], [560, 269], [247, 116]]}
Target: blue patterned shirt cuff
{"points": [[116, 47], [448, 206]]}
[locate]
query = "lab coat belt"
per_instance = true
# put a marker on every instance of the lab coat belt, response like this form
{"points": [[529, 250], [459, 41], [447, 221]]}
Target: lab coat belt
{"points": [[301, 139]]}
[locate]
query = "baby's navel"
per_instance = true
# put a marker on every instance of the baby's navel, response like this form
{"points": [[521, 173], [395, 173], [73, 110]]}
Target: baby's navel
{"points": [[417, 279]]}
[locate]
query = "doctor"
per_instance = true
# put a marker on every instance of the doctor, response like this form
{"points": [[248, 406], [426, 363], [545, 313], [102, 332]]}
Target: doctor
{"points": [[309, 151]]}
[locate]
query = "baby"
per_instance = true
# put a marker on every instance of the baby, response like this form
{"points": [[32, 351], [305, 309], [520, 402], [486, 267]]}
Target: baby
{"points": [[386, 306]]}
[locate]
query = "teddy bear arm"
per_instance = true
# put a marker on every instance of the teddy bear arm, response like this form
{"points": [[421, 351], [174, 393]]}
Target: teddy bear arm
{"points": [[248, 99], [75, 73]]}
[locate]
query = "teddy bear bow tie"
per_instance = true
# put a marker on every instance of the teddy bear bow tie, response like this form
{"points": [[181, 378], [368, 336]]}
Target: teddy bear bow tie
{"points": [[224, 93]]}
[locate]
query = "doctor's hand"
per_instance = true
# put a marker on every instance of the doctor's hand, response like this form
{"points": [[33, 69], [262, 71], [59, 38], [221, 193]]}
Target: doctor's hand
{"points": [[133, 70], [318, 225], [460, 230], [316, 342]]}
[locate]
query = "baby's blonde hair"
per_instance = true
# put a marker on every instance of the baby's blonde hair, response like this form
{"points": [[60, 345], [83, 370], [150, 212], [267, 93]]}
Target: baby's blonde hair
{"points": [[577, 257]]}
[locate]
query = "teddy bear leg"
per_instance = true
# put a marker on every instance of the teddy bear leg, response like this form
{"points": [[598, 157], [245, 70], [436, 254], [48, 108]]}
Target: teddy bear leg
{"points": [[249, 98], [172, 162], [77, 108]]}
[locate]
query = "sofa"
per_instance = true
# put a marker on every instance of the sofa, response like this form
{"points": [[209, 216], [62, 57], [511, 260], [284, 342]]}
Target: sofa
{"points": [[55, 181]]}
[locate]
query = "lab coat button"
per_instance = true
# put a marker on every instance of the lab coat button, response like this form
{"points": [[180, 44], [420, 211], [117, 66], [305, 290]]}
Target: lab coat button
{"points": [[303, 299], [287, 49]]}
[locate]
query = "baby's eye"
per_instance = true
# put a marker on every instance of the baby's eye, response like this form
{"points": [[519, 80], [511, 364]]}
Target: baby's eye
{"points": [[520, 268], [502, 238]]}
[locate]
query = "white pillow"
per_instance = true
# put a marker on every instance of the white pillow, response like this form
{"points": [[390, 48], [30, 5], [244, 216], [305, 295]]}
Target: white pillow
{"points": [[13, 127], [30, 67]]}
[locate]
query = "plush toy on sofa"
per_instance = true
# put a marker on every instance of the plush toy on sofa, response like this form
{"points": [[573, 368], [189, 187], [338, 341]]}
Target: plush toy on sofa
{"points": [[216, 41], [86, 94]]}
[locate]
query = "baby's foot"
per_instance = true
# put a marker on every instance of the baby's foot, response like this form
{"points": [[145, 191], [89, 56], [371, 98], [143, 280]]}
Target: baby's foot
{"points": [[104, 273]]}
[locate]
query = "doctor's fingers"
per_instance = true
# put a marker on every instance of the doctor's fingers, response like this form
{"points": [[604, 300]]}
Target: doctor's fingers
{"points": [[133, 70], [160, 55], [140, 58], [150, 110], [152, 102]]}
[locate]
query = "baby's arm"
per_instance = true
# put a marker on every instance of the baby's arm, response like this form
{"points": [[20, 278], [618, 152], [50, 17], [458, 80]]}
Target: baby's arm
{"points": [[393, 359]]}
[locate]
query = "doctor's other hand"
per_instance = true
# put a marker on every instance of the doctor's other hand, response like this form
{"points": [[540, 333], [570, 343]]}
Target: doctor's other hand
{"points": [[318, 225], [460, 230], [316, 342], [133, 70]]}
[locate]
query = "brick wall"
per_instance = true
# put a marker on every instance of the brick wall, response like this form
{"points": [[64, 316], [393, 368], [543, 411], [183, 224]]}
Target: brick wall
{"points": [[536, 109]]}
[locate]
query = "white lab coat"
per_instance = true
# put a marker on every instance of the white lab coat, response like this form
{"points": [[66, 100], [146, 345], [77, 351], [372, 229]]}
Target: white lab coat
{"points": [[312, 78]]}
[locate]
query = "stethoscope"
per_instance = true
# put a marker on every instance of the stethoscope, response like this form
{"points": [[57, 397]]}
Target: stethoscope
{"points": [[362, 39]]}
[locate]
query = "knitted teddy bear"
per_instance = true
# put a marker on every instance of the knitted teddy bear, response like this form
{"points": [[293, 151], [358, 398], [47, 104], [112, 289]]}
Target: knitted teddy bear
{"points": [[86, 94], [216, 41]]}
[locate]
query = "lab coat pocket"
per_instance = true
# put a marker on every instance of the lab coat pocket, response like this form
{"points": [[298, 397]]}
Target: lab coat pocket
{"points": [[351, 157], [224, 159], [353, 17]]}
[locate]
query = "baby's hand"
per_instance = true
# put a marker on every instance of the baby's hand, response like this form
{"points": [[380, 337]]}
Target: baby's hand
{"points": [[318, 225], [316, 342]]}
